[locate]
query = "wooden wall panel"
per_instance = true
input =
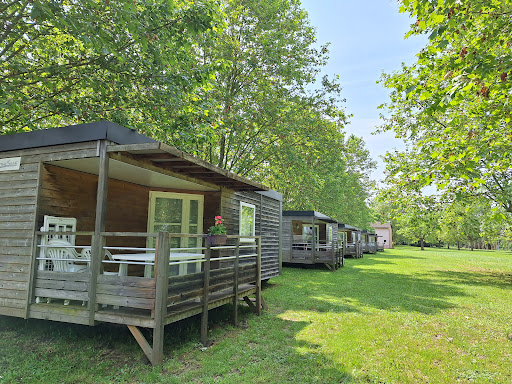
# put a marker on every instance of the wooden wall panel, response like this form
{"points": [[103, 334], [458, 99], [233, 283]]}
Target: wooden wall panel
{"points": [[268, 215], [286, 244], [70, 193], [18, 197]]}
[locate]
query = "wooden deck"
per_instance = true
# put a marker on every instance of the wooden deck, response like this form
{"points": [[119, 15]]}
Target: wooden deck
{"points": [[152, 302], [78, 314]]}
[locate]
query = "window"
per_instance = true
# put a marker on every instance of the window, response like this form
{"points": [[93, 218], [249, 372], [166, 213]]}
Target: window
{"points": [[307, 233], [176, 213], [247, 220]]}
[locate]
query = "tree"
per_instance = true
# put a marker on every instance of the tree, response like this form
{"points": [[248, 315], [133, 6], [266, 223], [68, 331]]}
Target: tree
{"points": [[449, 225], [132, 62], [268, 118], [415, 215], [333, 179], [418, 221], [453, 105], [264, 94], [233, 82]]}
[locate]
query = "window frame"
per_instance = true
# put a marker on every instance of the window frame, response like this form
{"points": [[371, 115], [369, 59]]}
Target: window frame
{"points": [[253, 207], [305, 235], [185, 220]]}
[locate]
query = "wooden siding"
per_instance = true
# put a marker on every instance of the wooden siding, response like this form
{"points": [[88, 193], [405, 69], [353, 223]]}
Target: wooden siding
{"points": [[70, 193], [18, 210], [268, 219]]}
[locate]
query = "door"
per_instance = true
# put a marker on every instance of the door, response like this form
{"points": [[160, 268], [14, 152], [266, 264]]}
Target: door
{"points": [[176, 213]]}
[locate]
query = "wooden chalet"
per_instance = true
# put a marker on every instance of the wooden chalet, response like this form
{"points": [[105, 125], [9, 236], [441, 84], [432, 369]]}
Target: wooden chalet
{"points": [[309, 237], [352, 236], [372, 243], [101, 224]]}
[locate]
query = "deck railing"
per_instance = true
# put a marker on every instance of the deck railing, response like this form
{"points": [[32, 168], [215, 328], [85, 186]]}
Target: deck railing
{"points": [[323, 252], [157, 286]]}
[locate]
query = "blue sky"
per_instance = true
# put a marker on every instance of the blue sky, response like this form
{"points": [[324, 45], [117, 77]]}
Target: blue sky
{"points": [[367, 38]]}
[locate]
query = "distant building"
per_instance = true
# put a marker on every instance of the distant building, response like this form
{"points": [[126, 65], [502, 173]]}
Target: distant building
{"points": [[384, 232]]}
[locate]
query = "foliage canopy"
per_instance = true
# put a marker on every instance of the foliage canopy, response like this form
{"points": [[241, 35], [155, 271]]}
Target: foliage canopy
{"points": [[453, 106], [234, 82]]}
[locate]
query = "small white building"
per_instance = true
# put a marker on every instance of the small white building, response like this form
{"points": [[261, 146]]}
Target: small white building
{"points": [[384, 233]]}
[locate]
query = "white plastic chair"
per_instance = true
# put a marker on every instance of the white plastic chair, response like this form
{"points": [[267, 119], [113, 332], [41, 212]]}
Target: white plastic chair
{"points": [[55, 224], [86, 253], [62, 259]]}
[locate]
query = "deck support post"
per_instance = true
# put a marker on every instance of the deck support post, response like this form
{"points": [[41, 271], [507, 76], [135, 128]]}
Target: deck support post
{"points": [[99, 227], [235, 282], [163, 250], [258, 276], [206, 289]]}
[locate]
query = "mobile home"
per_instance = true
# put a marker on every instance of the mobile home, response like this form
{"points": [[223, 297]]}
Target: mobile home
{"points": [[101, 224], [310, 237]]}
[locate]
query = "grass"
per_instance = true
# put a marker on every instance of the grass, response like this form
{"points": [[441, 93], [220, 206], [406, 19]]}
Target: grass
{"points": [[402, 316]]}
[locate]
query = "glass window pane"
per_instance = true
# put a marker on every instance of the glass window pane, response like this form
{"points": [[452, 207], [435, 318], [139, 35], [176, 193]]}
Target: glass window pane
{"points": [[191, 268], [171, 228], [175, 242], [247, 221], [193, 243], [194, 212], [174, 270], [168, 210], [307, 232]]}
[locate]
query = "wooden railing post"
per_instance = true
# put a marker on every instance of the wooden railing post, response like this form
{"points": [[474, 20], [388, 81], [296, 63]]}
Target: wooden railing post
{"points": [[334, 247], [163, 250], [313, 242], [235, 282], [258, 276], [99, 227], [206, 289]]}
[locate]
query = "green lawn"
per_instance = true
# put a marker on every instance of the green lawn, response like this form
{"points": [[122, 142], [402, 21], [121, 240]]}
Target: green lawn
{"points": [[402, 316]]}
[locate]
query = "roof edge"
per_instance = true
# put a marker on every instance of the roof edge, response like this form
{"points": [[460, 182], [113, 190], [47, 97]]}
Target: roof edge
{"points": [[99, 130]]}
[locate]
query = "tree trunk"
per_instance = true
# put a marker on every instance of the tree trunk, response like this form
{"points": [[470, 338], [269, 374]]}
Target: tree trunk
{"points": [[422, 245], [458, 245], [222, 151]]}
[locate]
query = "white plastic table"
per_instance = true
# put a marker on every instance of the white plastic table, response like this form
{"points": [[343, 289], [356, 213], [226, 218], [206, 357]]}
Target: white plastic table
{"points": [[148, 260]]}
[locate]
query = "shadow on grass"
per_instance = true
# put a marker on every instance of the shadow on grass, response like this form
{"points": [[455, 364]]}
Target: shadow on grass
{"points": [[36, 351], [497, 279], [354, 289]]}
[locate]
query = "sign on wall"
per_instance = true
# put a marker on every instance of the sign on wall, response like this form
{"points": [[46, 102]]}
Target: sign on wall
{"points": [[10, 164]]}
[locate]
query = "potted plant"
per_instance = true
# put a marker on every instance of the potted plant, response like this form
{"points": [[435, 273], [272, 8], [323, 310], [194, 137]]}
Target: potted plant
{"points": [[217, 233]]}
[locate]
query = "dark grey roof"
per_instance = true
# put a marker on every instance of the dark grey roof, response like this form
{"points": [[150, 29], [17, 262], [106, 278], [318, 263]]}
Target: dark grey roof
{"points": [[346, 226], [139, 147], [315, 214], [272, 194], [72, 134]]}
